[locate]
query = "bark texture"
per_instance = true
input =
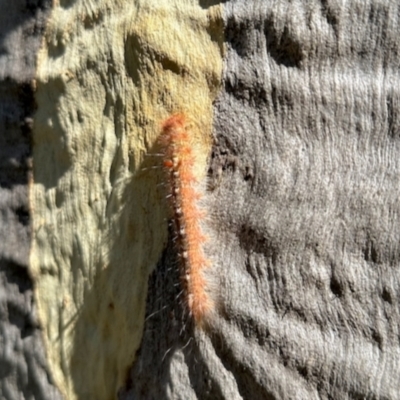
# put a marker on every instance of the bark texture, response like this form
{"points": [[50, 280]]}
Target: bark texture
{"points": [[24, 372], [302, 199], [303, 214], [108, 74]]}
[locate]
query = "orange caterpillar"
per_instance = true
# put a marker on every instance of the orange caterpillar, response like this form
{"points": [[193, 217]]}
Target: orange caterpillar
{"points": [[179, 161]]}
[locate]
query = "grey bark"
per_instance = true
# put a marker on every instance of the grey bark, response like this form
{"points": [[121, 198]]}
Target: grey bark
{"points": [[23, 369], [304, 213]]}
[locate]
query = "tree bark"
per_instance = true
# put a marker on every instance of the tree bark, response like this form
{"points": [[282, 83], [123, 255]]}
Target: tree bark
{"points": [[294, 107], [304, 215], [24, 371]]}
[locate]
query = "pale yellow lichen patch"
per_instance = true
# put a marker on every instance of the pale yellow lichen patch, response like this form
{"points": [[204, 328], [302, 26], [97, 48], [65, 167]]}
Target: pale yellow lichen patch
{"points": [[108, 74]]}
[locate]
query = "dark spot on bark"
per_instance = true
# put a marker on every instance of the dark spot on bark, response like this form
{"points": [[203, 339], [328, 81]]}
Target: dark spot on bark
{"points": [[237, 36], [377, 338], [23, 215], [303, 371], [248, 174], [92, 20], [393, 118], [370, 251], [282, 46], [336, 287], [387, 296], [16, 274], [67, 3], [21, 318], [210, 3]]}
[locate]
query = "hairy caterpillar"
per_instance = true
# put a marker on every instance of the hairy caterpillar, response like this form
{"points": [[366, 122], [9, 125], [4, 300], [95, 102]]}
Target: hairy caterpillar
{"points": [[184, 194]]}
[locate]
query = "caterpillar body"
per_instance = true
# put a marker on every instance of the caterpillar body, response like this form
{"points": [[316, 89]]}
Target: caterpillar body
{"points": [[184, 194]]}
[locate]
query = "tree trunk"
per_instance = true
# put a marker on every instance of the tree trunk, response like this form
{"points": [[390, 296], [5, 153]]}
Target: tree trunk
{"points": [[24, 371], [292, 158]]}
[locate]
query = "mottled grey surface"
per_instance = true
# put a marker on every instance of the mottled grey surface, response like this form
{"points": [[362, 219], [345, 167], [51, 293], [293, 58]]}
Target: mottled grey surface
{"points": [[304, 214], [23, 369]]}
